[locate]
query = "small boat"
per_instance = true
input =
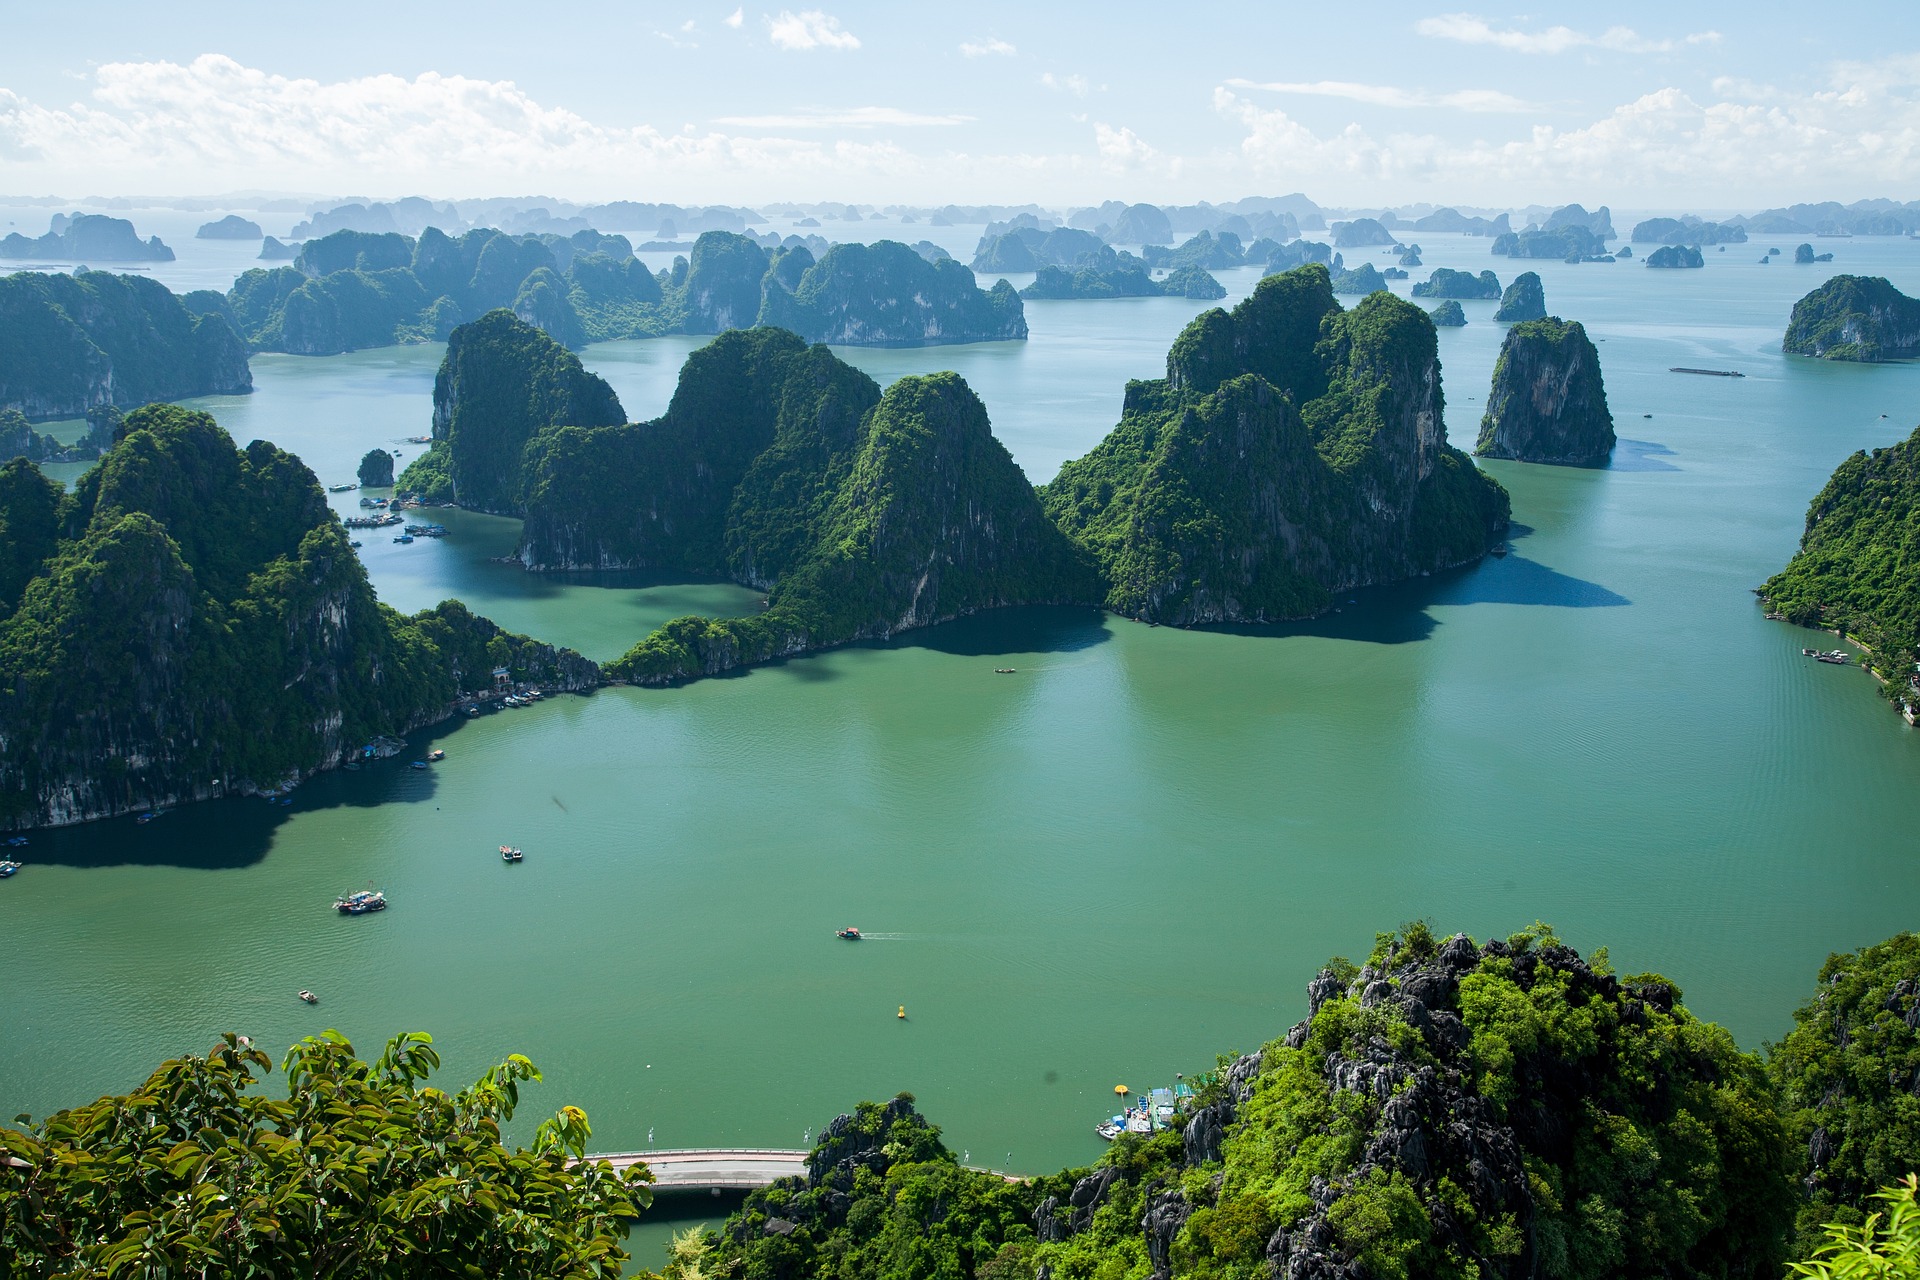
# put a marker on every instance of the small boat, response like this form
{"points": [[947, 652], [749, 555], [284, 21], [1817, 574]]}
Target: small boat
{"points": [[435, 756], [309, 997], [7, 867], [510, 854], [16, 842], [1498, 552], [1809, 653], [419, 440], [144, 818], [342, 488], [418, 764], [1838, 657], [1108, 1130], [404, 538], [360, 903], [472, 712], [354, 545], [1003, 671], [850, 933], [1709, 373]]}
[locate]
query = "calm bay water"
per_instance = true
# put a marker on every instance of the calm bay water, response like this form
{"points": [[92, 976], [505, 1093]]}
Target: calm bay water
{"points": [[1127, 857]]}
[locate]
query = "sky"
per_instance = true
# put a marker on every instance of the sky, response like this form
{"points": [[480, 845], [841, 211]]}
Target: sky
{"points": [[1669, 107]]}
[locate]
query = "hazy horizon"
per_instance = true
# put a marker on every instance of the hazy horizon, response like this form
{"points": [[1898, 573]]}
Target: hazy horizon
{"points": [[1667, 107]]}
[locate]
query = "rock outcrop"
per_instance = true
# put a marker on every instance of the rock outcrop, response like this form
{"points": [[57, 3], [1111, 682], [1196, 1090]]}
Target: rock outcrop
{"points": [[1690, 230], [1359, 281], [1294, 450], [197, 619], [1803, 255], [70, 344], [502, 381], [84, 239], [1448, 283], [231, 227], [1676, 256], [1525, 299], [376, 469], [1548, 402], [1861, 318], [1448, 315], [886, 295], [1360, 233]]}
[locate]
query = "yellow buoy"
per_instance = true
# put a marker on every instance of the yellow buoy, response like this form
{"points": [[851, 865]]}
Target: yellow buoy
{"points": [[902, 1013]]}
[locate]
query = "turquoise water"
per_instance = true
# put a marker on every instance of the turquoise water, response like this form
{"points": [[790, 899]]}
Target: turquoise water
{"points": [[1105, 868]]}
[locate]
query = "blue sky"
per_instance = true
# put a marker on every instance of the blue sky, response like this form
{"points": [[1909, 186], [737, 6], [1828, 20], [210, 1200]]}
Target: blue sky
{"points": [[1649, 106]]}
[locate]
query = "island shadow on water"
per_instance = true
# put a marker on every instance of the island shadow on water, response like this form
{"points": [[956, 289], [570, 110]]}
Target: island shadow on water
{"points": [[238, 831], [1401, 612]]}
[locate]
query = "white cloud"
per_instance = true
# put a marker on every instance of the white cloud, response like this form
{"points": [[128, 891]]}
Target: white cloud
{"points": [[1469, 29], [675, 38], [992, 45], [856, 117], [735, 18], [810, 29], [1861, 132], [1075, 85], [1122, 150], [1381, 95]]}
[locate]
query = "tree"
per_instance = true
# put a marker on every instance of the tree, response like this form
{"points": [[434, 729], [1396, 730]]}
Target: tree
{"points": [[362, 1170], [1878, 1249]]}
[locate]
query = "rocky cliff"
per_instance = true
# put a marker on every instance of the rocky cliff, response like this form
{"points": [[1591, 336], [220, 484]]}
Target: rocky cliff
{"points": [[501, 381], [779, 466], [1294, 450], [1503, 1110], [1525, 299], [1858, 566], [1855, 318], [887, 295], [191, 623], [73, 343], [1447, 283], [1448, 315], [1548, 402], [86, 238], [1676, 256]]}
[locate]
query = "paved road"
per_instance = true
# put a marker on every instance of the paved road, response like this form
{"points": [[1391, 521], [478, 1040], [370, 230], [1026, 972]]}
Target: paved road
{"points": [[698, 1170]]}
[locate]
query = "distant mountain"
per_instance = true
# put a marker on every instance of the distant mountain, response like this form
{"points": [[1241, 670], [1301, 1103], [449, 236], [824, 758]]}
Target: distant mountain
{"points": [[86, 239]]}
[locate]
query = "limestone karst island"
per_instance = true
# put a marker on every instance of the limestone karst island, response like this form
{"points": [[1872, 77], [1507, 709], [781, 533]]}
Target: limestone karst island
{"points": [[848, 642]]}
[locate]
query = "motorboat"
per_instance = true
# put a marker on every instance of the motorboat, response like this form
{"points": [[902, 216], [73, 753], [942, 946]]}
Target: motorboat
{"points": [[418, 764], [361, 902], [1003, 671], [510, 854], [1108, 1130], [309, 997], [8, 867], [435, 756], [850, 933]]}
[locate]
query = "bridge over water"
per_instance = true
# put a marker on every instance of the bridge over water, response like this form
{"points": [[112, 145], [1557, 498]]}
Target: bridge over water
{"points": [[723, 1168]]}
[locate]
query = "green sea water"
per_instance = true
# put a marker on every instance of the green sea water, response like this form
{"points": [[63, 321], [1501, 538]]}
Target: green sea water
{"points": [[1105, 868]]}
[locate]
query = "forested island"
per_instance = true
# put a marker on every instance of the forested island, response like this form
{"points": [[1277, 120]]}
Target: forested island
{"points": [[72, 344], [351, 290], [1548, 402], [190, 622], [1676, 256], [84, 238], [1451, 1109], [861, 515], [1448, 283], [1524, 299], [1858, 567], [1861, 318]]}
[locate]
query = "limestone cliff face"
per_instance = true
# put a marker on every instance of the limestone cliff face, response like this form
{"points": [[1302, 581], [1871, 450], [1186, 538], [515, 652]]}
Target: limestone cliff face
{"points": [[1860, 318], [204, 629], [501, 381], [1294, 450], [1525, 299], [71, 343], [1548, 403]]}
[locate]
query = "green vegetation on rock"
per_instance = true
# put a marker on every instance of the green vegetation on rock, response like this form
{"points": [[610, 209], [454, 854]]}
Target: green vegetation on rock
{"points": [[193, 623], [376, 469], [1548, 402], [1860, 318], [1448, 283], [886, 295], [1858, 567], [1448, 315], [70, 344], [501, 381], [1293, 450], [1676, 256], [1525, 299], [362, 1169], [1846, 1075], [1447, 1110], [1363, 279]]}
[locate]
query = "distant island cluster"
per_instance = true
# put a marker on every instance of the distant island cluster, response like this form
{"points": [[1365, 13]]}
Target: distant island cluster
{"points": [[1293, 451]]}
